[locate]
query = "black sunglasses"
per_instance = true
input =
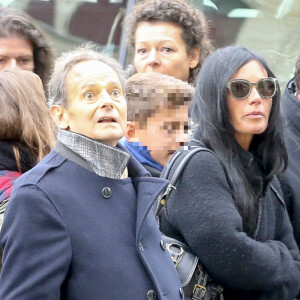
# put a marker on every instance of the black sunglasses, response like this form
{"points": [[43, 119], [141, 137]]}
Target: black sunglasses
{"points": [[241, 88]]}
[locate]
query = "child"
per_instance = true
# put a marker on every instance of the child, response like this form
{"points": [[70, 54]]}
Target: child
{"points": [[157, 118]]}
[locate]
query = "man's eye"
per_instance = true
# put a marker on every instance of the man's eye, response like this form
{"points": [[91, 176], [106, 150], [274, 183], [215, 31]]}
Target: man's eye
{"points": [[24, 61], [89, 95], [116, 93], [142, 51]]}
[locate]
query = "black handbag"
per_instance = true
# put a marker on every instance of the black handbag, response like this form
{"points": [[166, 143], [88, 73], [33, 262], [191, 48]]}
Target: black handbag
{"points": [[195, 281]]}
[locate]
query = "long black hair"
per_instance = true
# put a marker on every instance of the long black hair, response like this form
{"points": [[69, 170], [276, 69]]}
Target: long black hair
{"points": [[214, 129]]}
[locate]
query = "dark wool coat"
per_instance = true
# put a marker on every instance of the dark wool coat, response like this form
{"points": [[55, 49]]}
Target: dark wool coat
{"points": [[291, 112], [71, 234], [201, 212]]}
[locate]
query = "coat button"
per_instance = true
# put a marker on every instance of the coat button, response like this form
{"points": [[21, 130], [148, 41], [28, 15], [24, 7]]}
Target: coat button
{"points": [[141, 247], [106, 192], [151, 295]]}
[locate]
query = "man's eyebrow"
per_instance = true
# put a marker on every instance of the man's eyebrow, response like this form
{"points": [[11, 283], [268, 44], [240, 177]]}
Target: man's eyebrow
{"points": [[87, 85], [114, 82], [25, 55], [93, 84]]}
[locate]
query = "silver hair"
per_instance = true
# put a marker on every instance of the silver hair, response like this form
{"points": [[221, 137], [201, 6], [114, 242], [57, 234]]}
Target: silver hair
{"points": [[57, 84]]}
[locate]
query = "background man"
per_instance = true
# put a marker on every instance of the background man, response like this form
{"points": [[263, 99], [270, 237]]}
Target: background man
{"points": [[23, 44], [290, 106]]}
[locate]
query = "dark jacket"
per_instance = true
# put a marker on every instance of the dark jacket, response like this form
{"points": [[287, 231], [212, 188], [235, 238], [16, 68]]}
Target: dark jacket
{"points": [[144, 157], [9, 173], [201, 212], [71, 234], [290, 107]]}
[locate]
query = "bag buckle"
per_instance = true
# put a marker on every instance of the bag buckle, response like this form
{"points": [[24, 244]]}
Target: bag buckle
{"points": [[198, 288], [175, 256]]}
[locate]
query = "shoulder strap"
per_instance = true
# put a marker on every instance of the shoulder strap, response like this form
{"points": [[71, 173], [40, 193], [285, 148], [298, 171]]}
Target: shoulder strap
{"points": [[162, 199]]}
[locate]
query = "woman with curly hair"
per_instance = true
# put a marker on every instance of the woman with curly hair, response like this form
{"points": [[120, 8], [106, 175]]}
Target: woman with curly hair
{"points": [[168, 37]]}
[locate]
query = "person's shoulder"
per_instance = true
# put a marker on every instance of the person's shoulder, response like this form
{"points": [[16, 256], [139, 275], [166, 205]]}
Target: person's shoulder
{"points": [[203, 157], [32, 177], [202, 161]]}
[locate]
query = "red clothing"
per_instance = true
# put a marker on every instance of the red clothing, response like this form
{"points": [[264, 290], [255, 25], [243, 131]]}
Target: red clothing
{"points": [[7, 179]]}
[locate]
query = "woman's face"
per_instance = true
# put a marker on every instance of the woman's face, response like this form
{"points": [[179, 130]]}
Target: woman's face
{"points": [[160, 48], [250, 115]]}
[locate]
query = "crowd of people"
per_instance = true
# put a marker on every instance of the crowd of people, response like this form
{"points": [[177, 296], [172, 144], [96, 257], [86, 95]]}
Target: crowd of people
{"points": [[82, 150]]}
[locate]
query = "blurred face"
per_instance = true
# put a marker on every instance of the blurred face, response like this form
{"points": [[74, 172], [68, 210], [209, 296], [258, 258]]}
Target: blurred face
{"points": [[164, 132], [160, 48], [16, 52], [249, 116], [96, 105]]}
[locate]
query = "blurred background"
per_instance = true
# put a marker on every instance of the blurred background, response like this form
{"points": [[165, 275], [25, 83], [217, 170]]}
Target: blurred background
{"points": [[272, 28]]}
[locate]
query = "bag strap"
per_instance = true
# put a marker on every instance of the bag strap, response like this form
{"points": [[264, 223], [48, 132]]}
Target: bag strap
{"points": [[162, 199]]}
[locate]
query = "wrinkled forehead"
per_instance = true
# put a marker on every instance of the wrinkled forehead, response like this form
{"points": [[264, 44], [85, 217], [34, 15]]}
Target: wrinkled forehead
{"points": [[94, 71]]}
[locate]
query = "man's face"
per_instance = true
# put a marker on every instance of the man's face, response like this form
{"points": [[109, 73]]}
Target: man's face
{"points": [[164, 132], [96, 105], [16, 52]]}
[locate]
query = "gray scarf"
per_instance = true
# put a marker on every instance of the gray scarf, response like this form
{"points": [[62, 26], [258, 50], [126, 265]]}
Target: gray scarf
{"points": [[105, 160]]}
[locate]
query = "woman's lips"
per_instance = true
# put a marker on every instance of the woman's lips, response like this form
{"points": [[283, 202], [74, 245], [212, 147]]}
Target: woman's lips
{"points": [[255, 115]]}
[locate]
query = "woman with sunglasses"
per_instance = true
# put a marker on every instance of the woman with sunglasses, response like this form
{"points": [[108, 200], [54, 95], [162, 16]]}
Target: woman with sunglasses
{"points": [[228, 206]]}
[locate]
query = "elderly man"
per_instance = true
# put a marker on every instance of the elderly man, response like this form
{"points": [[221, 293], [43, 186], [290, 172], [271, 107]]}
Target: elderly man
{"points": [[78, 224]]}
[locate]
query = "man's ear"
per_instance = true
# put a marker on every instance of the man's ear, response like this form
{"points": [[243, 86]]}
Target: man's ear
{"points": [[194, 55], [59, 115], [130, 132]]}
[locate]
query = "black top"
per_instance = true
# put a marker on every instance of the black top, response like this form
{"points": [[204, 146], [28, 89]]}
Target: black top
{"points": [[201, 212], [8, 160]]}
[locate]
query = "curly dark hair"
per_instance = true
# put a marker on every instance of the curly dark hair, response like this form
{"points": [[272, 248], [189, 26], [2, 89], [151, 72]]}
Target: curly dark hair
{"points": [[192, 21], [16, 23]]}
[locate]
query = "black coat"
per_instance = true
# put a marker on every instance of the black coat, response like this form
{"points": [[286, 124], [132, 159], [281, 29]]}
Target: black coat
{"points": [[71, 234], [201, 212], [291, 112]]}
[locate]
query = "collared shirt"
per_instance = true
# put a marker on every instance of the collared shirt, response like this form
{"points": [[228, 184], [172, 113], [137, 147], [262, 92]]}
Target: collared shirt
{"points": [[105, 160]]}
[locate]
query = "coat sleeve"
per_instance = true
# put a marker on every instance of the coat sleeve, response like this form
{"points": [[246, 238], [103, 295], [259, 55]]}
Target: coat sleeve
{"points": [[37, 248], [203, 211]]}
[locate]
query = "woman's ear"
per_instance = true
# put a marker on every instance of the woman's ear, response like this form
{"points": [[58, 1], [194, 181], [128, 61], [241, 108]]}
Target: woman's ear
{"points": [[59, 115], [194, 56], [130, 132]]}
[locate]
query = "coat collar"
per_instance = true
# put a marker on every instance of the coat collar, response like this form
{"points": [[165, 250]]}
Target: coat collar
{"points": [[135, 169], [105, 160]]}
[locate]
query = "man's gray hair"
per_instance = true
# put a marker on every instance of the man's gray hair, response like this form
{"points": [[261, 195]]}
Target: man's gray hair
{"points": [[57, 83]]}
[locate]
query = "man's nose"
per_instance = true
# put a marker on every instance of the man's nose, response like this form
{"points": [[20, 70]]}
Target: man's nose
{"points": [[106, 101], [11, 64], [153, 59]]}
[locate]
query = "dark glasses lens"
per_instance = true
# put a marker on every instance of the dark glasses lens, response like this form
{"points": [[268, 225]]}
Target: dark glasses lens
{"points": [[241, 88], [266, 87]]}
